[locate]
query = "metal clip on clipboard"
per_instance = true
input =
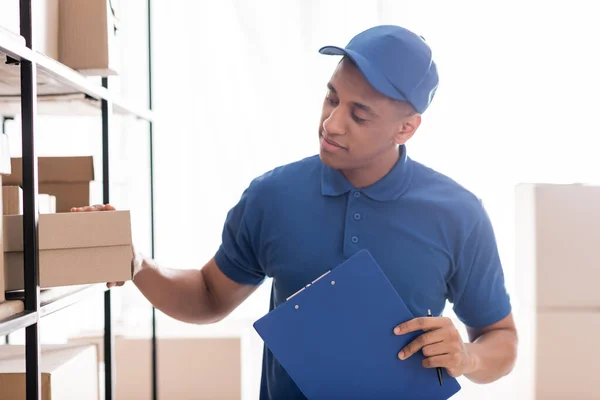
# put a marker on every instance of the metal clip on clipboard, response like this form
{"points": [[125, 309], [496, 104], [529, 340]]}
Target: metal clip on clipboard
{"points": [[333, 283]]}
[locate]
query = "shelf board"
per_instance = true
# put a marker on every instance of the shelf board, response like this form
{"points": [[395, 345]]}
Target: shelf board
{"points": [[51, 301], [56, 83], [18, 321]]}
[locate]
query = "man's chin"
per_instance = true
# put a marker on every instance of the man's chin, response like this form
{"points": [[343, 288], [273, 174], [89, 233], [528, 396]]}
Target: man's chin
{"points": [[330, 159]]}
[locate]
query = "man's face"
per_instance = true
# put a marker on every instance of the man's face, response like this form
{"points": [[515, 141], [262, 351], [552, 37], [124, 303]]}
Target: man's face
{"points": [[358, 123]]}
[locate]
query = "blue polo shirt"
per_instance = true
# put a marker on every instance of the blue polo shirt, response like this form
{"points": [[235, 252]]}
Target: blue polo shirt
{"points": [[432, 238]]}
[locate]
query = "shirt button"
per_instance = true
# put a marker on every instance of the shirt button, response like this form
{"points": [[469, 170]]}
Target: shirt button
{"points": [[357, 216], [357, 194], [354, 239]]}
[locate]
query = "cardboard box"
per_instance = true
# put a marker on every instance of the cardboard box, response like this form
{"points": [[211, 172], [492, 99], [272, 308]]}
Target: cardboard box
{"points": [[5, 168], [557, 251], [45, 23], [563, 371], [12, 201], [75, 248], [214, 374], [89, 39], [66, 178], [68, 372]]}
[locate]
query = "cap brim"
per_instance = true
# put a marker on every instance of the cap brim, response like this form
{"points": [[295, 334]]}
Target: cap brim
{"points": [[371, 74]]}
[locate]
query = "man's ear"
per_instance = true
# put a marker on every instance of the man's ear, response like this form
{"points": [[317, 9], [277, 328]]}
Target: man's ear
{"points": [[408, 127]]}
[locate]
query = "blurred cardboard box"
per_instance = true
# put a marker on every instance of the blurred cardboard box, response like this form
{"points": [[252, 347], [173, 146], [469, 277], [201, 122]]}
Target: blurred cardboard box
{"points": [[557, 252], [562, 373], [12, 200], [89, 38], [215, 373], [5, 169], [45, 23], [75, 248], [66, 178], [68, 372], [82, 34]]}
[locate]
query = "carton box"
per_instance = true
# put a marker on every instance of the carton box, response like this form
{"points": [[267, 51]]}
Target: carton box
{"points": [[66, 178], [567, 373], [68, 372], [89, 38], [217, 374], [557, 252], [5, 169], [75, 248], [12, 201]]}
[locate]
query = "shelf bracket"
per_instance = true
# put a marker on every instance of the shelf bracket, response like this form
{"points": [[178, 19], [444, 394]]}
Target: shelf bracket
{"points": [[12, 61]]}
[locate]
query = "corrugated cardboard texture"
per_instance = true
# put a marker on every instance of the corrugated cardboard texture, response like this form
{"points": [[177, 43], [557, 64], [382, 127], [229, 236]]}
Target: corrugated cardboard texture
{"points": [[75, 248], [566, 234], [564, 371], [54, 170], [68, 372], [87, 37], [12, 200]]}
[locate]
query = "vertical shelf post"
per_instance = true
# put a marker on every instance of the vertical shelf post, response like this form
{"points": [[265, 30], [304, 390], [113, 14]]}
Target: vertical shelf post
{"points": [[109, 372], [152, 233], [30, 209]]}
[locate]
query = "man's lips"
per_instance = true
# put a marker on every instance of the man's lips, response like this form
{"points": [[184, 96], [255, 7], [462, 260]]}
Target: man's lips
{"points": [[331, 142]]}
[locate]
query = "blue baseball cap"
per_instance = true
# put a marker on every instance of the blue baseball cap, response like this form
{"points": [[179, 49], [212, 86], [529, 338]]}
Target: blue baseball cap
{"points": [[395, 61]]}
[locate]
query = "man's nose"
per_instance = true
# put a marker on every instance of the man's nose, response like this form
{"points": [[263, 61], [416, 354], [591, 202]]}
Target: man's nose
{"points": [[333, 124]]}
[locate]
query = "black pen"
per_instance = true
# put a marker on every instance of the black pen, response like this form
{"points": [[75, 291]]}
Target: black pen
{"points": [[438, 369]]}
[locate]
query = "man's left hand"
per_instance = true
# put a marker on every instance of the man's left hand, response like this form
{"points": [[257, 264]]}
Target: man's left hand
{"points": [[441, 343]]}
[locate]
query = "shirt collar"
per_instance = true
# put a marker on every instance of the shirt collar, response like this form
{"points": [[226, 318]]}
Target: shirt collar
{"points": [[390, 187]]}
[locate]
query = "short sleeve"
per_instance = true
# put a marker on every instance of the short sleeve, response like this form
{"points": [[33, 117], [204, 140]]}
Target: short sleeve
{"points": [[237, 254], [477, 288]]}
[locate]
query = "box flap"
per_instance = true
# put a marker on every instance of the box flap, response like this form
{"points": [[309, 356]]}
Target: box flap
{"points": [[55, 170], [71, 230]]}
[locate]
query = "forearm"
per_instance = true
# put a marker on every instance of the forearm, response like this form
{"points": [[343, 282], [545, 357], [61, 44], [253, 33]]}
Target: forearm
{"points": [[181, 294], [493, 355]]}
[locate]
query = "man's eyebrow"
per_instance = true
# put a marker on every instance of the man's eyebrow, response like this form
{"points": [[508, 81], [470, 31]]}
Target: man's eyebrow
{"points": [[361, 106]]}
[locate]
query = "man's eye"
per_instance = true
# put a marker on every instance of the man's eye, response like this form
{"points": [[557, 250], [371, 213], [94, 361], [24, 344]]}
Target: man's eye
{"points": [[358, 120]]}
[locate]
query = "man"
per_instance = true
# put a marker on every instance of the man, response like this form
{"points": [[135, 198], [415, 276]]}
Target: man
{"points": [[432, 238]]}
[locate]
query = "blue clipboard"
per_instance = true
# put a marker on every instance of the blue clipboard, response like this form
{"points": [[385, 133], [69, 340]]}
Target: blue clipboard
{"points": [[335, 338]]}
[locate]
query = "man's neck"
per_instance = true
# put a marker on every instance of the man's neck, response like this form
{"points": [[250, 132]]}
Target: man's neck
{"points": [[374, 172]]}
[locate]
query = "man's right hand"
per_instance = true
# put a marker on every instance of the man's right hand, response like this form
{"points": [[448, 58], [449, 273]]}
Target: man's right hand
{"points": [[137, 258]]}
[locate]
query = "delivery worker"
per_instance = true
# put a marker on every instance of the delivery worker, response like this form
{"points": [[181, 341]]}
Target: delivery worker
{"points": [[432, 237]]}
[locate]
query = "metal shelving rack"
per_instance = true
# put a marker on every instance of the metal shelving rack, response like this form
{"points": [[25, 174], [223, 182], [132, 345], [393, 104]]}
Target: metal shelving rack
{"points": [[17, 50]]}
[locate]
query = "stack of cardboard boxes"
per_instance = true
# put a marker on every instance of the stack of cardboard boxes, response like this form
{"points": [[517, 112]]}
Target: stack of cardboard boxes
{"points": [[75, 248], [557, 275]]}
